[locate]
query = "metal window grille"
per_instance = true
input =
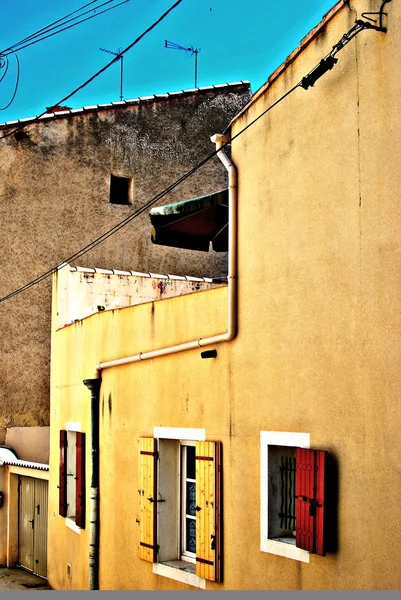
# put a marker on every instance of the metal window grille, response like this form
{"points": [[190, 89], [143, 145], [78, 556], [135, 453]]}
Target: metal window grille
{"points": [[287, 485]]}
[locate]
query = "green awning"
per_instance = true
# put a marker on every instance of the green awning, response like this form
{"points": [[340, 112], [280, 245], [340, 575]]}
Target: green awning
{"points": [[193, 224]]}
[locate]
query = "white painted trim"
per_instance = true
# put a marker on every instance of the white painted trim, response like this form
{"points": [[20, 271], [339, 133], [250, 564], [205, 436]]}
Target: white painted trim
{"points": [[179, 433], [27, 472], [72, 525], [285, 438], [286, 550], [277, 438], [178, 575], [73, 426]]}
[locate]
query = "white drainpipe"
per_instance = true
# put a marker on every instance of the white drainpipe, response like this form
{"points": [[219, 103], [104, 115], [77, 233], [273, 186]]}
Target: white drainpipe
{"points": [[219, 140]]}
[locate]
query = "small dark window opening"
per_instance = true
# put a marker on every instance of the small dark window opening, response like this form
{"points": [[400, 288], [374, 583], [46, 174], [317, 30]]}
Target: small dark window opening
{"points": [[119, 190]]}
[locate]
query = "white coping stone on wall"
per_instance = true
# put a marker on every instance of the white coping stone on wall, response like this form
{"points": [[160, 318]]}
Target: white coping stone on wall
{"points": [[83, 269], [177, 277], [139, 274]]}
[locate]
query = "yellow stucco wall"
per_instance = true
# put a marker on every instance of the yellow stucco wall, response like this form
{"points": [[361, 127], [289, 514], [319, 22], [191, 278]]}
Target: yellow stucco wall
{"points": [[317, 343]]}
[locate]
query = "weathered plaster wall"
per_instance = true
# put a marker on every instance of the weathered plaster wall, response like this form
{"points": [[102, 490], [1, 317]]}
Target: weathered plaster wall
{"points": [[54, 199], [31, 444], [84, 291], [318, 334]]}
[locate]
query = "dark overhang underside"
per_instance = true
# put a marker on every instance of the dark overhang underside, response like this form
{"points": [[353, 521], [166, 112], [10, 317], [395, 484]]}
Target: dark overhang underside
{"points": [[193, 224]]}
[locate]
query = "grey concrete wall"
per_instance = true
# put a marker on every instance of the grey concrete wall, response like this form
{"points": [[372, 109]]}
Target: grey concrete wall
{"points": [[54, 199], [29, 443]]}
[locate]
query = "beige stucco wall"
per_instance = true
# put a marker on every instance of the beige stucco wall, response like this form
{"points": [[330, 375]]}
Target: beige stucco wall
{"points": [[29, 443], [130, 404], [54, 200], [317, 343]]}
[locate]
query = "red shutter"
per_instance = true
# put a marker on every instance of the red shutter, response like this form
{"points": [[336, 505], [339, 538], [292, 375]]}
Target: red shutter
{"points": [[62, 487], [309, 493], [80, 499]]}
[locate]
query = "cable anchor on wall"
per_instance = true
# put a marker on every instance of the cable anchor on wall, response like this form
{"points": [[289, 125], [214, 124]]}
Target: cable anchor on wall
{"points": [[380, 14]]}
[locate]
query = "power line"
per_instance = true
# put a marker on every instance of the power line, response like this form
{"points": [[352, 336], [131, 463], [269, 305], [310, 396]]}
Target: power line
{"points": [[139, 211], [19, 45], [36, 119], [69, 26], [309, 80], [16, 83]]}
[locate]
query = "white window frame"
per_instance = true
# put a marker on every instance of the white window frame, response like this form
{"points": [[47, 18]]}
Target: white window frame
{"points": [[167, 568], [185, 554], [277, 438]]}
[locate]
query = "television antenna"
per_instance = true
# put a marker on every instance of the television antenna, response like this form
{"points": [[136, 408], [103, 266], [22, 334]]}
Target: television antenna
{"points": [[193, 51], [121, 59]]}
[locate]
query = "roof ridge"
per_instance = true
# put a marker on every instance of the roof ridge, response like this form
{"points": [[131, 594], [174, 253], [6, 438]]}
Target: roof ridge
{"points": [[141, 99]]}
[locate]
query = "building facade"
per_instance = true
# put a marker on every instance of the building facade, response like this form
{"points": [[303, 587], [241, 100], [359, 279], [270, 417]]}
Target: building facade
{"points": [[247, 437], [72, 176]]}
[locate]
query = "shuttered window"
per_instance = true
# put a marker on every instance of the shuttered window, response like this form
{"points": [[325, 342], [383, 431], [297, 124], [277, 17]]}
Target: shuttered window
{"points": [[310, 479], [72, 496], [63, 475], [206, 515], [147, 494], [80, 496], [292, 496]]}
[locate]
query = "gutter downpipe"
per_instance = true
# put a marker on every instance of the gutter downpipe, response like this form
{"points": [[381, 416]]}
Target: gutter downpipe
{"points": [[219, 140], [94, 384]]}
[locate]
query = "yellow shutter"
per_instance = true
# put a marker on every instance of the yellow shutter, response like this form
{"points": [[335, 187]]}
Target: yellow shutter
{"points": [[147, 548], [208, 516]]}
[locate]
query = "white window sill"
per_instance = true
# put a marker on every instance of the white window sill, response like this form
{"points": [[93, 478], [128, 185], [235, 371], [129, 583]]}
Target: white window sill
{"points": [[72, 525], [284, 548], [180, 571]]}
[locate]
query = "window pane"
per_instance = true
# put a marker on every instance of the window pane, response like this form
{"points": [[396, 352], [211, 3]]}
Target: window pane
{"points": [[191, 535], [191, 499], [190, 462]]}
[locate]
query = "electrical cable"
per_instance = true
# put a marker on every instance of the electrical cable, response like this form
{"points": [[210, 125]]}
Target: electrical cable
{"points": [[140, 210], [6, 62], [117, 57], [16, 84], [51, 26], [172, 186], [69, 27]]}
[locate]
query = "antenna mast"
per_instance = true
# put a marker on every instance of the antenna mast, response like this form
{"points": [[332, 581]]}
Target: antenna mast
{"points": [[193, 51], [120, 58]]}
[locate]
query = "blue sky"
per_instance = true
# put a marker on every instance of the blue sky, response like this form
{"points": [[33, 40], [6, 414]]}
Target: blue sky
{"points": [[237, 40]]}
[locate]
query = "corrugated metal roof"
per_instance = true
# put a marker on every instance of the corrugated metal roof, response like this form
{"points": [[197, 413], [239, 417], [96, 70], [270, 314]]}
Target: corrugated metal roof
{"points": [[111, 105], [26, 463], [8, 457]]}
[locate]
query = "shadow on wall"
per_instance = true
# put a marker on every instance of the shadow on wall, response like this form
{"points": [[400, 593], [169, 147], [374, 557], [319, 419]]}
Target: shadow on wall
{"points": [[331, 509]]}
